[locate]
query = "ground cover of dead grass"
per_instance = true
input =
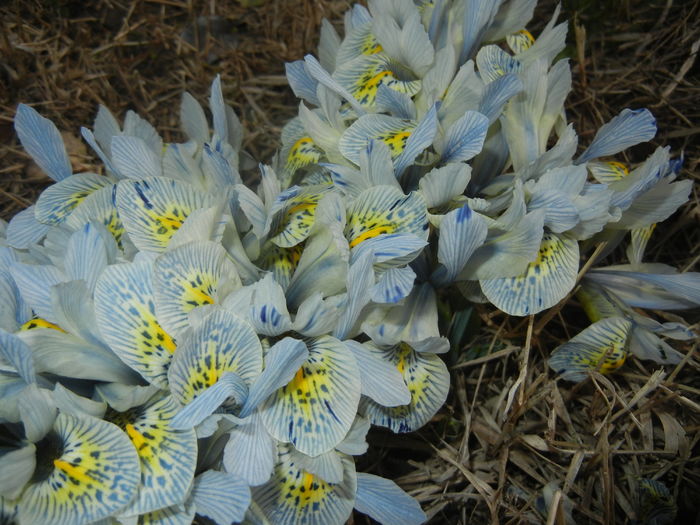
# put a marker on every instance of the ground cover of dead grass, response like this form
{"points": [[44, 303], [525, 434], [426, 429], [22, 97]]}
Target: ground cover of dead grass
{"points": [[513, 444]]}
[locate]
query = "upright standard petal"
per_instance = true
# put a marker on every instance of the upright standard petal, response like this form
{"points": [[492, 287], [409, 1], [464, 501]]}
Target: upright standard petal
{"points": [[42, 140], [384, 501]]}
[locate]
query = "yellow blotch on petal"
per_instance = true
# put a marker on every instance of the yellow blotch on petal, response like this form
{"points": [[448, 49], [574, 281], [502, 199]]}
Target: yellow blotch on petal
{"points": [[38, 322], [76, 472]]}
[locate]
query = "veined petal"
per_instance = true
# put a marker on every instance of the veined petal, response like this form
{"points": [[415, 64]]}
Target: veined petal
{"points": [[639, 239], [133, 157], [497, 93], [42, 140], [229, 387], [392, 131], [86, 255], [250, 452], [89, 470], [56, 352], [153, 209], [315, 409], [268, 307], [321, 75], [294, 496], [384, 210], [520, 41], [59, 200], [17, 468], [381, 380], [99, 207], [627, 129], [461, 233], [494, 63], [544, 283], [282, 361], [428, 381], [317, 316], [363, 76], [646, 345], [192, 119], [355, 441], [15, 353], [282, 262], [195, 274], [25, 230], [126, 316], [359, 284], [607, 172], [303, 85], [167, 456], [37, 412], [221, 343], [293, 215], [440, 185], [465, 137], [34, 282], [602, 346], [221, 496], [419, 139], [384, 501], [393, 285], [175, 515]]}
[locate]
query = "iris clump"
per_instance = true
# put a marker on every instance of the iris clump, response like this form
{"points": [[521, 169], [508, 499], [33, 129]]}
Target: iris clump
{"points": [[190, 345]]}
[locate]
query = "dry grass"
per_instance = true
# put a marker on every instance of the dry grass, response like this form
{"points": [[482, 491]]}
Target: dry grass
{"points": [[512, 445]]}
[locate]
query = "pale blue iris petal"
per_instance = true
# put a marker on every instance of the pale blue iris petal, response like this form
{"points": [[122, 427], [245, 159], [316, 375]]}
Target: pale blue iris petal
{"points": [[221, 497], [86, 255], [327, 466], [58, 200], [268, 309], [229, 385], [74, 310], [220, 170], [392, 249], [134, 158], [663, 291], [66, 355], [37, 412], [405, 40], [384, 501], [24, 230], [543, 284], [360, 280], [625, 130], [106, 126], [302, 84], [253, 208], [316, 316], [646, 345], [204, 224], [250, 452], [321, 75], [419, 139], [560, 212], [136, 126], [376, 164], [18, 355], [465, 137], [461, 232], [34, 283], [281, 364], [494, 63], [42, 140], [218, 109], [627, 189], [395, 103], [67, 401], [478, 15], [440, 185], [355, 441], [381, 381], [193, 120], [413, 321], [104, 157], [393, 285], [17, 468], [324, 504], [655, 205]]}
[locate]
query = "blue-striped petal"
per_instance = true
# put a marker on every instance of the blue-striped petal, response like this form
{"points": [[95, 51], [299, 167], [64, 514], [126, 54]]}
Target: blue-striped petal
{"points": [[221, 497], [15, 353], [167, 456], [295, 496], [193, 120], [228, 387], [428, 381], [418, 140], [251, 452], [153, 209], [625, 130], [221, 343], [544, 283], [195, 274], [393, 285], [25, 230], [381, 380], [17, 466], [602, 347], [134, 159], [34, 282], [59, 200], [42, 140], [465, 137], [494, 63], [126, 315], [315, 409], [99, 207], [384, 501], [90, 470]]}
